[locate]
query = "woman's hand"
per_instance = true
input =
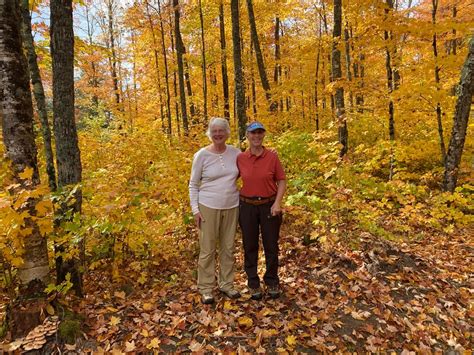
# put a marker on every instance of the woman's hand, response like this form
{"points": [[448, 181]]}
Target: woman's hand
{"points": [[275, 209], [198, 219]]}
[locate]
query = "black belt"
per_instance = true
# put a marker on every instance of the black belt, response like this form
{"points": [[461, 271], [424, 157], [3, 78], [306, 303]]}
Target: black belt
{"points": [[257, 201]]}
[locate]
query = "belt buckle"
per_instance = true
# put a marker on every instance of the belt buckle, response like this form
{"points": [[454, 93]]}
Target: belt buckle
{"points": [[259, 198]]}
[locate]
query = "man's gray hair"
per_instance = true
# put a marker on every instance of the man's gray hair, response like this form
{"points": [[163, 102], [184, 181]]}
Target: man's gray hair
{"points": [[220, 122]]}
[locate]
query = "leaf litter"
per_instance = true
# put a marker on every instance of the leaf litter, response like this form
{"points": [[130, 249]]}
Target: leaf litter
{"points": [[413, 296]]}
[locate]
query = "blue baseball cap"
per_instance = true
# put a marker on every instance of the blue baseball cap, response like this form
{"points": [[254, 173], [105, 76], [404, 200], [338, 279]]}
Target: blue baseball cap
{"points": [[254, 126]]}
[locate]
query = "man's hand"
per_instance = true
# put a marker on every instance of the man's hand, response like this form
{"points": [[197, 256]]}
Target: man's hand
{"points": [[198, 219], [275, 209]]}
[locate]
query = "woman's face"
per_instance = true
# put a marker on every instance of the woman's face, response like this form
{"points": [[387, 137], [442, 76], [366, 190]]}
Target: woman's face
{"points": [[256, 137], [219, 135]]}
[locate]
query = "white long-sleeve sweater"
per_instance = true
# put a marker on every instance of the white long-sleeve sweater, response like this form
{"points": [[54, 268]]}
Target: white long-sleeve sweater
{"points": [[213, 179]]}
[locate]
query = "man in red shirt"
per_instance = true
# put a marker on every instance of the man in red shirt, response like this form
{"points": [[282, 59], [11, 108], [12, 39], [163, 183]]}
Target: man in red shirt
{"points": [[264, 184]]}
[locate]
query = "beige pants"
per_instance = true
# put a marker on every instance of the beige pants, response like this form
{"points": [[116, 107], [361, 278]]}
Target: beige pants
{"points": [[217, 231]]}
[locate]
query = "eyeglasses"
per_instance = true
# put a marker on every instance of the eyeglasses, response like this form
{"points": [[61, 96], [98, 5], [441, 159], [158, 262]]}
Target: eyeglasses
{"points": [[257, 131]]}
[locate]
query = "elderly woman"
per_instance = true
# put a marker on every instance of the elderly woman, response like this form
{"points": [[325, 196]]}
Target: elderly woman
{"points": [[215, 205], [264, 184]]}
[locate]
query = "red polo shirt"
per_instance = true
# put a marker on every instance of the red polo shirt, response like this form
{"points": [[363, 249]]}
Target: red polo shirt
{"points": [[259, 173]]}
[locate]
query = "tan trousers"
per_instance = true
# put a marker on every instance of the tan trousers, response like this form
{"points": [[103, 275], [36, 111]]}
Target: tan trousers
{"points": [[217, 231]]}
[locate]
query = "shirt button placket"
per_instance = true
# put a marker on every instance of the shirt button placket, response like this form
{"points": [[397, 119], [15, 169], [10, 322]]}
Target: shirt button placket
{"points": [[221, 159]]}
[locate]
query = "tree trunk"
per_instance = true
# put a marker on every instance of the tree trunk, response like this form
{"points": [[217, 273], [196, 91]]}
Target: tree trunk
{"points": [[175, 81], [391, 120], [93, 81], [134, 74], [336, 76], [437, 80], [157, 64], [204, 67], [189, 89], [165, 58], [358, 68], [303, 113], [391, 85], [214, 88], [348, 65], [16, 110], [454, 41], [258, 54], [316, 80], [238, 72], [277, 70], [461, 117], [252, 101], [179, 58], [323, 83], [68, 159], [329, 59], [359, 77], [113, 58], [38, 93], [225, 79]]}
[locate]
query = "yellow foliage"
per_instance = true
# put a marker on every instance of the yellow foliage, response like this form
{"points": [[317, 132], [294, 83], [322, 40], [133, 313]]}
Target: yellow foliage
{"points": [[16, 217]]}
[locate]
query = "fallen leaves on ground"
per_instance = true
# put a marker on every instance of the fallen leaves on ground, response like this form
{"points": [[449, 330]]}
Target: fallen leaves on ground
{"points": [[413, 296], [384, 296]]}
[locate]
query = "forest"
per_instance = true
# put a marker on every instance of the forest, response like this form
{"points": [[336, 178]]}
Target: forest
{"points": [[103, 104]]}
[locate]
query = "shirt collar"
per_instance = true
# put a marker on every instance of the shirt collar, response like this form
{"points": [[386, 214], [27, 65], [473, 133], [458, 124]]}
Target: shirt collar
{"points": [[249, 153]]}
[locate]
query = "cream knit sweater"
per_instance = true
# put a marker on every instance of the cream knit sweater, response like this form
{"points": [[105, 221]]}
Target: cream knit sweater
{"points": [[213, 178]]}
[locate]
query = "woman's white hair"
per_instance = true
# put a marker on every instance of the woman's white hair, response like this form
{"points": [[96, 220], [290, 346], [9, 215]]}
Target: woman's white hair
{"points": [[220, 122]]}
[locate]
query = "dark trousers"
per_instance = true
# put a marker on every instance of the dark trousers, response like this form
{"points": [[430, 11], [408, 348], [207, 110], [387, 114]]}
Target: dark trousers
{"points": [[252, 220]]}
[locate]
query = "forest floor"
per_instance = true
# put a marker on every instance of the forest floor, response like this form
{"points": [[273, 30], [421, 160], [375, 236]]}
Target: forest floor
{"points": [[381, 296]]}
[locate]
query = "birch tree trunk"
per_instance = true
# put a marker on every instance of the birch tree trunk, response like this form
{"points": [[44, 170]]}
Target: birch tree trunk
{"points": [[16, 110]]}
